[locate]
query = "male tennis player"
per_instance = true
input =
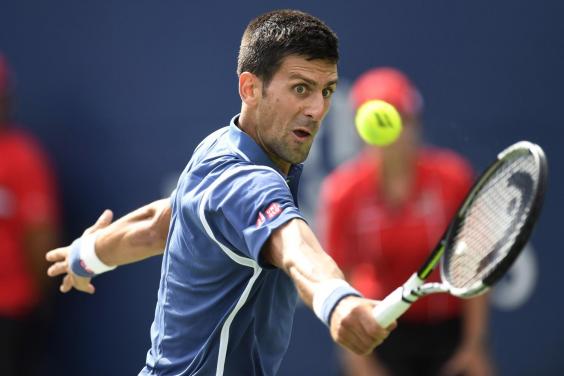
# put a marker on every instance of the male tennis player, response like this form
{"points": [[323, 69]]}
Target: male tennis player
{"points": [[238, 251]]}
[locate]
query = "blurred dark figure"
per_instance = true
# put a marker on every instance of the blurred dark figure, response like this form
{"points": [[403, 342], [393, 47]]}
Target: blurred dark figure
{"points": [[28, 228], [383, 212]]}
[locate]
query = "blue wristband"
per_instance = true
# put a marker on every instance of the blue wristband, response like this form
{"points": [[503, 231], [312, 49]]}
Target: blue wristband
{"points": [[333, 299], [77, 265]]}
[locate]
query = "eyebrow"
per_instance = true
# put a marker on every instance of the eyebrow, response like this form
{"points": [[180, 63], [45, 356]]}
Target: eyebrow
{"points": [[311, 82]]}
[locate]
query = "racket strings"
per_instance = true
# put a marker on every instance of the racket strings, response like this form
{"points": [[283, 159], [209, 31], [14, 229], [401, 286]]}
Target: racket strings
{"points": [[492, 222]]}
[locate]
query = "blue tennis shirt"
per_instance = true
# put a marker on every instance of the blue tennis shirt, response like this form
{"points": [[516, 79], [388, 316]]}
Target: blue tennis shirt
{"points": [[220, 310]]}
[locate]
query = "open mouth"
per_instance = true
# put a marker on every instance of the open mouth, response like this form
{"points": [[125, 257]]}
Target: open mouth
{"points": [[300, 133]]}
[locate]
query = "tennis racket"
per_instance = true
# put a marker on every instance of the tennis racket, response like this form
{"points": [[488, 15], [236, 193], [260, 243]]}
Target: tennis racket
{"points": [[485, 236]]}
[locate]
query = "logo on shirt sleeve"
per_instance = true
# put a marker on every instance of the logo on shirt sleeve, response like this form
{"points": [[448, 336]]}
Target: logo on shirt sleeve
{"points": [[260, 219], [271, 212]]}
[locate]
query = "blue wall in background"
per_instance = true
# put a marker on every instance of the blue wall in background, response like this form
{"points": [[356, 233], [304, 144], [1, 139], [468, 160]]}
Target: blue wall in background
{"points": [[121, 92]]}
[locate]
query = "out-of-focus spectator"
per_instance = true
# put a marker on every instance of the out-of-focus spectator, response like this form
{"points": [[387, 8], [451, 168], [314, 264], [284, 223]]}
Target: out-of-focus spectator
{"points": [[383, 212], [29, 227]]}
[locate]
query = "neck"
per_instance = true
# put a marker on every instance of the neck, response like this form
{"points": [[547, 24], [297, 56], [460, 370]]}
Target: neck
{"points": [[248, 124]]}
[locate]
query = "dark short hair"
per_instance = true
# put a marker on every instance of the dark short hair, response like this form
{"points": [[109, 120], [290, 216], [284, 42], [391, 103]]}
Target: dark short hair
{"points": [[271, 37]]}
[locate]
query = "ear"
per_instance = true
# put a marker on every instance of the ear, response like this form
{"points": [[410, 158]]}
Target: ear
{"points": [[250, 88]]}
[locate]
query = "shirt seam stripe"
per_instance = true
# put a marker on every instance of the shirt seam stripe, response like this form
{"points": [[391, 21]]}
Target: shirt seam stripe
{"points": [[224, 335]]}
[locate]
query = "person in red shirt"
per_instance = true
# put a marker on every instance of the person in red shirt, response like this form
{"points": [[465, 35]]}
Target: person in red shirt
{"points": [[381, 214], [28, 229]]}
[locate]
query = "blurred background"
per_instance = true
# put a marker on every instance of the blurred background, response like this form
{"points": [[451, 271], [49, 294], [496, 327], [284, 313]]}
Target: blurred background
{"points": [[119, 94]]}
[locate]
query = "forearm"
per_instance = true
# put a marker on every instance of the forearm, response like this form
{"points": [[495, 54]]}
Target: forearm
{"points": [[295, 250], [320, 284], [136, 236]]}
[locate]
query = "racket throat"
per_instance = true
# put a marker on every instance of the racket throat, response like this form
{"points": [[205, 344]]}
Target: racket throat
{"points": [[410, 289]]}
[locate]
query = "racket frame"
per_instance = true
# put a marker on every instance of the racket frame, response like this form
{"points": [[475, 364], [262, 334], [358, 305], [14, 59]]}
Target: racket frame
{"points": [[480, 287], [396, 303]]}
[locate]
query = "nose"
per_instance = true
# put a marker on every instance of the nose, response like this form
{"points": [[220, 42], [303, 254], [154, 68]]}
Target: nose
{"points": [[316, 107]]}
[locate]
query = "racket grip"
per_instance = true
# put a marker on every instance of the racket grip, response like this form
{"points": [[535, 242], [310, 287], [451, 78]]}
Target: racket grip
{"points": [[395, 304]]}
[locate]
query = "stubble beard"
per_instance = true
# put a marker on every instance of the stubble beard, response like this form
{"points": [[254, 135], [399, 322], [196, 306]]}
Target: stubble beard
{"points": [[288, 153]]}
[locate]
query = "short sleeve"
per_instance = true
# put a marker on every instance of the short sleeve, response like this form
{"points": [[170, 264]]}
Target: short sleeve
{"points": [[245, 205]]}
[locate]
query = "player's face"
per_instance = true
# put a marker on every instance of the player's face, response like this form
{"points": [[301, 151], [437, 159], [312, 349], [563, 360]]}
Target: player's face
{"points": [[292, 107]]}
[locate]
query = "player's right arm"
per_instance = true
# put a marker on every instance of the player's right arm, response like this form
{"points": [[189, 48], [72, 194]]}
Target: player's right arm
{"points": [[295, 249], [256, 212], [134, 237]]}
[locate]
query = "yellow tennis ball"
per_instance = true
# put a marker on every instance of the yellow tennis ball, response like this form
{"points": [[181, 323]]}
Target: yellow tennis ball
{"points": [[378, 123]]}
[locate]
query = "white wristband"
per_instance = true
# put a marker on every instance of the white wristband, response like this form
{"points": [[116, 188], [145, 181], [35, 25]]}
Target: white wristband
{"points": [[89, 257], [328, 294]]}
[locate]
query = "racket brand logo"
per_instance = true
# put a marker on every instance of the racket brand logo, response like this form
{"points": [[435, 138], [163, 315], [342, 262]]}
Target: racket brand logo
{"points": [[524, 183]]}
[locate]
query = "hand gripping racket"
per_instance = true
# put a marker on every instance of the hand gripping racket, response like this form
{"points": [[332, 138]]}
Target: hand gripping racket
{"points": [[485, 236]]}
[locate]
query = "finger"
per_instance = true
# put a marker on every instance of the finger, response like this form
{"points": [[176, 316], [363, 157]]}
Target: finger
{"points": [[104, 220], [392, 326], [356, 338], [368, 341], [87, 288], [57, 269], [66, 285], [374, 303], [58, 254], [372, 329], [379, 336], [80, 284], [83, 284], [352, 342]]}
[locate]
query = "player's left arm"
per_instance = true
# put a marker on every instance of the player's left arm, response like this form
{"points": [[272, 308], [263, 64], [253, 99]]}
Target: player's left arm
{"points": [[134, 237]]}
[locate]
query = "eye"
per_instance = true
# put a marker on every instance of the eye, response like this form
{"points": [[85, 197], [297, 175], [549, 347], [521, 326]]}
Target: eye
{"points": [[300, 89], [327, 92]]}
